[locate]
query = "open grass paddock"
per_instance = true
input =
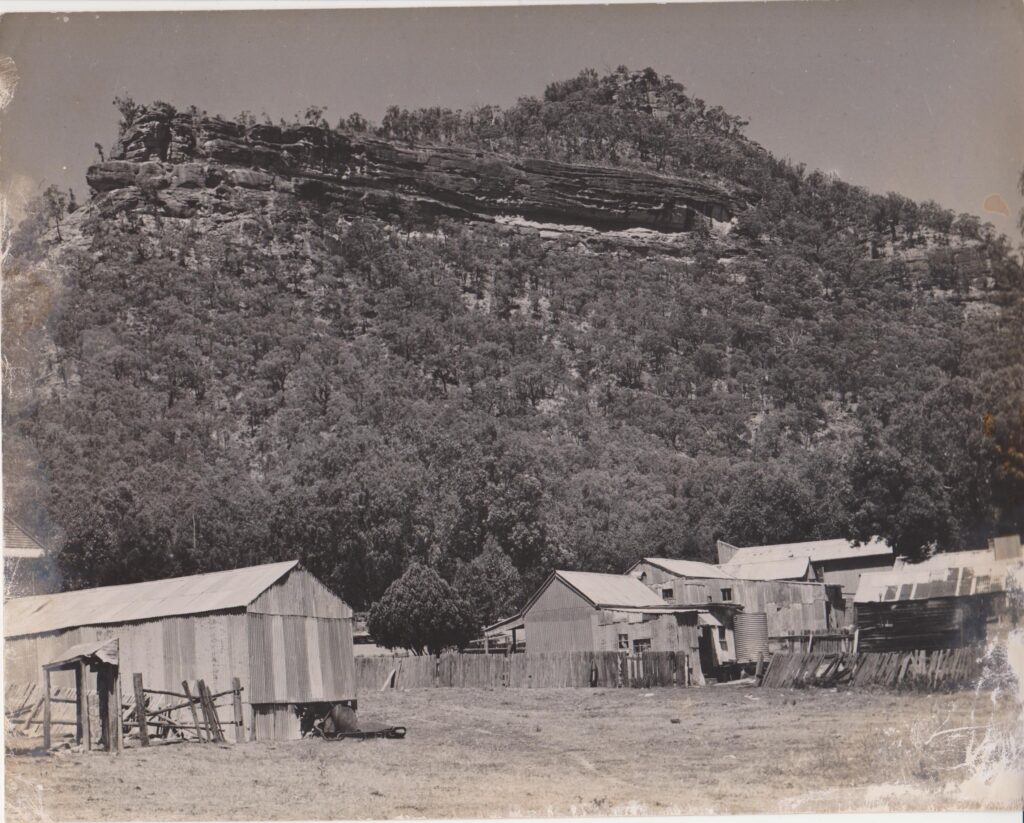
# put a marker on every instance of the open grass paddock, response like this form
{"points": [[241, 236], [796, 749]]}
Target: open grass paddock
{"points": [[514, 752]]}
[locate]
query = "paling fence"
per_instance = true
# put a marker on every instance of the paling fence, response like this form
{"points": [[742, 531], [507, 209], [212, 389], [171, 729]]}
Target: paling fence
{"points": [[530, 670], [941, 669]]}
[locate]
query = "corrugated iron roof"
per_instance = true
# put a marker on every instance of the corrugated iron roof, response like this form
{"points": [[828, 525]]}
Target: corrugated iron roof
{"points": [[196, 594], [944, 575], [506, 624], [814, 550], [786, 568], [18, 542], [610, 589], [105, 651], [684, 568]]}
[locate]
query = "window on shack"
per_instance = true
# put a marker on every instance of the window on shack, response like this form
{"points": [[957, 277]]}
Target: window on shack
{"points": [[726, 594], [667, 594], [642, 644], [624, 642], [723, 642]]}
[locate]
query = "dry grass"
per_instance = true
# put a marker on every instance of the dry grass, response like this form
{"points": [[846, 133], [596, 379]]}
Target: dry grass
{"points": [[508, 753]]}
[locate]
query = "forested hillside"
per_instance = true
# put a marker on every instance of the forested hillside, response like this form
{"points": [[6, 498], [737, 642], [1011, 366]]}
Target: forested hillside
{"points": [[597, 325]]}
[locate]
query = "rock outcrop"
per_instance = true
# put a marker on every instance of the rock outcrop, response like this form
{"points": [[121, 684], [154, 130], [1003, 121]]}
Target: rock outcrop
{"points": [[167, 160]]}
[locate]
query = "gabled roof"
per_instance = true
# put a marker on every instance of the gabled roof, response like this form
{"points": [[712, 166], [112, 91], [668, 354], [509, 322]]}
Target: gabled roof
{"points": [[950, 574], [196, 594], [602, 590], [18, 542], [786, 568], [683, 568], [814, 550]]}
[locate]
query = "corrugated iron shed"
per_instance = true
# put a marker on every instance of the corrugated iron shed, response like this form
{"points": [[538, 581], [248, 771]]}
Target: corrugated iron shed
{"points": [[18, 542], [683, 568], [196, 594], [816, 551]]}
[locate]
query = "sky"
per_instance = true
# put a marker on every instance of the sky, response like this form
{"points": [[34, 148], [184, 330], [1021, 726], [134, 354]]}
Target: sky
{"points": [[917, 96]]}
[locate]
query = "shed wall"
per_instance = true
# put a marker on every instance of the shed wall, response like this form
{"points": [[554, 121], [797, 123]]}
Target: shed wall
{"points": [[165, 651], [297, 659], [560, 620], [792, 608], [936, 623], [846, 573], [300, 593]]}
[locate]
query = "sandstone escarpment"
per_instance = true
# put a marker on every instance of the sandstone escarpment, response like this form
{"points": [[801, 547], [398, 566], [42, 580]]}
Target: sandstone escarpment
{"points": [[170, 163]]}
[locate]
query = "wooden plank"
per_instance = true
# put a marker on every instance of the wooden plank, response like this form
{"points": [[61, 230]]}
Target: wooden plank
{"points": [[46, 709], [83, 696], [211, 710]]}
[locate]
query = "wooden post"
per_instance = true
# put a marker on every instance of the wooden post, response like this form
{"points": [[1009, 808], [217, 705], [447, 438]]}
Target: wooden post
{"points": [[236, 702], [856, 640], [46, 709], [83, 704], [192, 708], [760, 665], [115, 715], [78, 705], [140, 708], [103, 700]]}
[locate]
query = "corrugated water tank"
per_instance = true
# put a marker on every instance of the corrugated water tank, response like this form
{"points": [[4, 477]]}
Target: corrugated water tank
{"points": [[751, 630]]}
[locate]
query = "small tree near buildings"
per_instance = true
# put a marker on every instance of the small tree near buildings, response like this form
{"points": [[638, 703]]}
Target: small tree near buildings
{"points": [[421, 612]]}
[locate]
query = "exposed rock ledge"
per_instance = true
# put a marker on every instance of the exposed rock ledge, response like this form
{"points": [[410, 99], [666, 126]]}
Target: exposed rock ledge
{"points": [[169, 159]]}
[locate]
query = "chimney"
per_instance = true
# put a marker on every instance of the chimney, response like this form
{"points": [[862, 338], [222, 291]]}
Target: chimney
{"points": [[725, 552], [1007, 548]]}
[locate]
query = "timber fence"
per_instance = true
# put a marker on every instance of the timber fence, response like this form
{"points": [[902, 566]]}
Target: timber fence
{"points": [[939, 670], [531, 670]]}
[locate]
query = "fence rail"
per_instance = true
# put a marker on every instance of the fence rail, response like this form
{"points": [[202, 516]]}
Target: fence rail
{"points": [[530, 670]]}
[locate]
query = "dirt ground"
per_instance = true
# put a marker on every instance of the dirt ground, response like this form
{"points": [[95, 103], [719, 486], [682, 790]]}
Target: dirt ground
{"points": [[511, 753]]}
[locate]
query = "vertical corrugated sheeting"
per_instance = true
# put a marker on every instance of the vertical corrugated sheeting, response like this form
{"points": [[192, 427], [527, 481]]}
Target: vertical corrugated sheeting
{"points": [[751, 630], [165, 651], [286, 669], [560, 620], [300, 593], [276, 723]]}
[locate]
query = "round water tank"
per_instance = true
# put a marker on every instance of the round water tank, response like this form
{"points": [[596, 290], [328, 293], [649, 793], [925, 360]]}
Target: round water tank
{"points": [[751, 630]]}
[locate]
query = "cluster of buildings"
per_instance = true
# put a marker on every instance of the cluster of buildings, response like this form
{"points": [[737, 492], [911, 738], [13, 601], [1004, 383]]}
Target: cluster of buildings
{"points": [[760, 599], [289, 640]]}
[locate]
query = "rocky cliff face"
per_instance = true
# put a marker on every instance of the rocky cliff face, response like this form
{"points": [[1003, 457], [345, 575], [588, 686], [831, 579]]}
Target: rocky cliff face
{"points": [[178, 165]]}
